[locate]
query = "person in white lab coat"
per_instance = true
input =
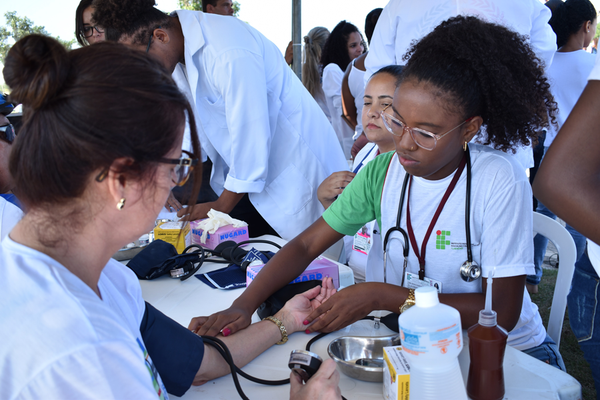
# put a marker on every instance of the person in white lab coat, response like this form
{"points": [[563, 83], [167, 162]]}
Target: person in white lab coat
{"points": [[403, 21], [264, 133]]}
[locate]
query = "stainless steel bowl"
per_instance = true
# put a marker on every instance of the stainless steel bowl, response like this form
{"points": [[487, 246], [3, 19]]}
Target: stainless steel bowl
{"points": [[361, 357]]}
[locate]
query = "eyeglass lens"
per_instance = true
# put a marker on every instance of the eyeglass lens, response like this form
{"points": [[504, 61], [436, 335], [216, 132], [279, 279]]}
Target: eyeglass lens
{"points": [[397, 128], [7, 133], [88, 31]]}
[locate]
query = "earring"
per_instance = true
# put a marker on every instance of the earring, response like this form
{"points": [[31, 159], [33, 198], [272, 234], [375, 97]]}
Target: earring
{"points": [[465, 146], [121, 204]]}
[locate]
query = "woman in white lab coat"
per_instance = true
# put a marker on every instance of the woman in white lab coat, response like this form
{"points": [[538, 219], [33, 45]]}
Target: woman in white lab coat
{"points": [[344, 44], [264, 133]]}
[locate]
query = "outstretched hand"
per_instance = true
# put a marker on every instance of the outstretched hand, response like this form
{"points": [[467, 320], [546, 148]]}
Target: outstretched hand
{"points": [[294, 312], [342, 309]]}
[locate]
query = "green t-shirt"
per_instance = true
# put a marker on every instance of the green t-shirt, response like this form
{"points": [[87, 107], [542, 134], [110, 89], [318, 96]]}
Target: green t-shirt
{"points": [[360, 202]]}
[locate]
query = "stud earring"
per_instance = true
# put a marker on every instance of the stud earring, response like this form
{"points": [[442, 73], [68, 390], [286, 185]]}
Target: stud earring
{"points": [[121, 204], [465, 146]]}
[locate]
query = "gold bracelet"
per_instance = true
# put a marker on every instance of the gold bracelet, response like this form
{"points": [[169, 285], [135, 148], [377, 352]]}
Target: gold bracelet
{"points": [[284, 335]]}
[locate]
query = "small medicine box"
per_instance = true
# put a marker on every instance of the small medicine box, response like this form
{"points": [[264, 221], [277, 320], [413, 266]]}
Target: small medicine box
{"points": [[396, 374], [223, 234], [171, 232], [320, 268]]}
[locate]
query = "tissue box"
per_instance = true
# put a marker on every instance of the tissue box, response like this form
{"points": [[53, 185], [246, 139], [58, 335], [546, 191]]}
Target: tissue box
{"points": [[176, 233], [396, 374], [317, 270], [222, 234]]}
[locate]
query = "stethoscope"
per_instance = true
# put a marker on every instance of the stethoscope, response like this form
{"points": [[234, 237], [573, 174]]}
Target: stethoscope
{"points": [[469, 270]]}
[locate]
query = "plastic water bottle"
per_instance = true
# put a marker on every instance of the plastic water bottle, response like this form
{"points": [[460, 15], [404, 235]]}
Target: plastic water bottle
{"points": [[431, 335], [487, 342]]}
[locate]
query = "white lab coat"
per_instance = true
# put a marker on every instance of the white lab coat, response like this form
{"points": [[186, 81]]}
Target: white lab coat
{"points": [[403, 21], [263, 131]]}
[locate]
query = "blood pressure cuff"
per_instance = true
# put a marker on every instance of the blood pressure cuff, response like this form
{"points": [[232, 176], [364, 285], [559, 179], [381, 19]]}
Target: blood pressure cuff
{"points": [[158, 259], [277, 300], [176, 351]]}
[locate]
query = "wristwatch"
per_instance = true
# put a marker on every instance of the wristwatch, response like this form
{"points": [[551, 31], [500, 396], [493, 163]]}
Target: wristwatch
{"points": [[409, 302]]}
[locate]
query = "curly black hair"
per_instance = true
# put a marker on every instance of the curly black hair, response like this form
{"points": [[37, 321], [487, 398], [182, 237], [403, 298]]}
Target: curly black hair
{"points": [[134, 18], [485, 70], [569, 17], [336, 47]]}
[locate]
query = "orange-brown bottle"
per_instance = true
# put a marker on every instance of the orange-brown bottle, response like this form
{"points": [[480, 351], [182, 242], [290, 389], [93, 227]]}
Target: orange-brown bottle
{"points": [[487, 342]]}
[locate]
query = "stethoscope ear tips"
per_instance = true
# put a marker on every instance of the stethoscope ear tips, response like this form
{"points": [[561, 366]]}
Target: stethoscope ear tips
{"points": [[470, 271]]}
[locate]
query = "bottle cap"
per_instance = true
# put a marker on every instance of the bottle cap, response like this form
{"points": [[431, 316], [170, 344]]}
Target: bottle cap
{"points": [[487, 318], [426, 296]]}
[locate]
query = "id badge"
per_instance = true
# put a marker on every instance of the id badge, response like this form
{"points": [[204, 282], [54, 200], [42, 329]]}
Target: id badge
{"points": [[412, 281], [362, 242]]}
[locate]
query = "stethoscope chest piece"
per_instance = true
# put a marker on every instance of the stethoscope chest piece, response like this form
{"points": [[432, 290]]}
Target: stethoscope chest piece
{"points": [[470, 271]]}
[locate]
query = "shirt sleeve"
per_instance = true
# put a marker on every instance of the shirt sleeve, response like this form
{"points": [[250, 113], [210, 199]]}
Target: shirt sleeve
{"points": [[595, 75], [542, 37], [382, 51], [332, 85], [240, 78], [360, 202], [509, 206]]}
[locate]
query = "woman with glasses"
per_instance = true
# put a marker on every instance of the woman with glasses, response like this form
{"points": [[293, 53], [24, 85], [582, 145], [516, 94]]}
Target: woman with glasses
{"points": [[86, 31], [93, 180], [465, 75], [10, 214]]}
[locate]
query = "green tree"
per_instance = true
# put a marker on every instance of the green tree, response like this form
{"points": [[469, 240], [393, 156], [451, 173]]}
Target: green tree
{"points": [[196, 5], [18, 27]]}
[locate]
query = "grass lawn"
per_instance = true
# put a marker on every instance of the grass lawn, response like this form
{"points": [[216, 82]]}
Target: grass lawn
{"points": [[569, 348]]}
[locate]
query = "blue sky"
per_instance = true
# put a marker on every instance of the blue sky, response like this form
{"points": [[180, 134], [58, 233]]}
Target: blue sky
{"points": [[271, 17]]}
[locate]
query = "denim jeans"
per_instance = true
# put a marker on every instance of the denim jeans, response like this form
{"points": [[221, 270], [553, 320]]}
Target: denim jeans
{"points": [[584, 314], [541, 242], [548, 353]]}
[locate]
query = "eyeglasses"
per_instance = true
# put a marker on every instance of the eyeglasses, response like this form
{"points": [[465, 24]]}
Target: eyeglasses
{"points": [[424, 139], [88, 30], [7, 133], [150, 39], [181, 172], [184, 166]]}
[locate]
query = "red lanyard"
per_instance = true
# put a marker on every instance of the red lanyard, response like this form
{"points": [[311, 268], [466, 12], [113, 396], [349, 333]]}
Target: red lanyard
{"points": [[411, 234]]}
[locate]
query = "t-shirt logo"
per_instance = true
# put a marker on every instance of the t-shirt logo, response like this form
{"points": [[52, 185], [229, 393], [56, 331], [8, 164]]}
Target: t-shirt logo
{"points": [[162, 395], [441, 239]]}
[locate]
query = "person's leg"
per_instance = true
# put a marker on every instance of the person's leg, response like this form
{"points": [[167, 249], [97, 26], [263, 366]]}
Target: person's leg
{"points": [[584, 314], [548, 353], [539, 251]]}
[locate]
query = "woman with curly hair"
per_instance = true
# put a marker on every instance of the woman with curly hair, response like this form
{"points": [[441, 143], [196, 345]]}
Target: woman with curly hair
{"points": [[465, 75], [269, 142], [344, 44]]}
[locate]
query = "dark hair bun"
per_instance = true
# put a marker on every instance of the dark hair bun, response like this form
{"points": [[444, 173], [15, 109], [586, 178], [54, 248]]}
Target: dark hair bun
{"points": [[120, 15], [36, 68]]}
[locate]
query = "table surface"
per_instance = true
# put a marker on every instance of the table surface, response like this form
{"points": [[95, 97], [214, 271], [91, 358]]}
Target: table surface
{"points": [[525, 376]]}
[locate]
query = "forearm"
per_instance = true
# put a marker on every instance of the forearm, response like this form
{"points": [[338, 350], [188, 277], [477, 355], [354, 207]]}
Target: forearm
{"points": [[287, 264], [244, 346], [227, 201], [568, 181]]}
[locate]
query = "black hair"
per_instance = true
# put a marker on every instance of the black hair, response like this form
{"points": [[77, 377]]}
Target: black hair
{"points": [[336, 47], [134, 18], [485, 70], [394, 70], [370, 23], [205, 4], [568, 18], [81, 39]]}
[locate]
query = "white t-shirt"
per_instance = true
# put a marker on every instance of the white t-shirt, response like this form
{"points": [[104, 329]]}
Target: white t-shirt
{"points": [[61, 341], [332, 87], [9, 216], [568, 75], [501, 224], [593, 248], [358, 247], [356, 84]]}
